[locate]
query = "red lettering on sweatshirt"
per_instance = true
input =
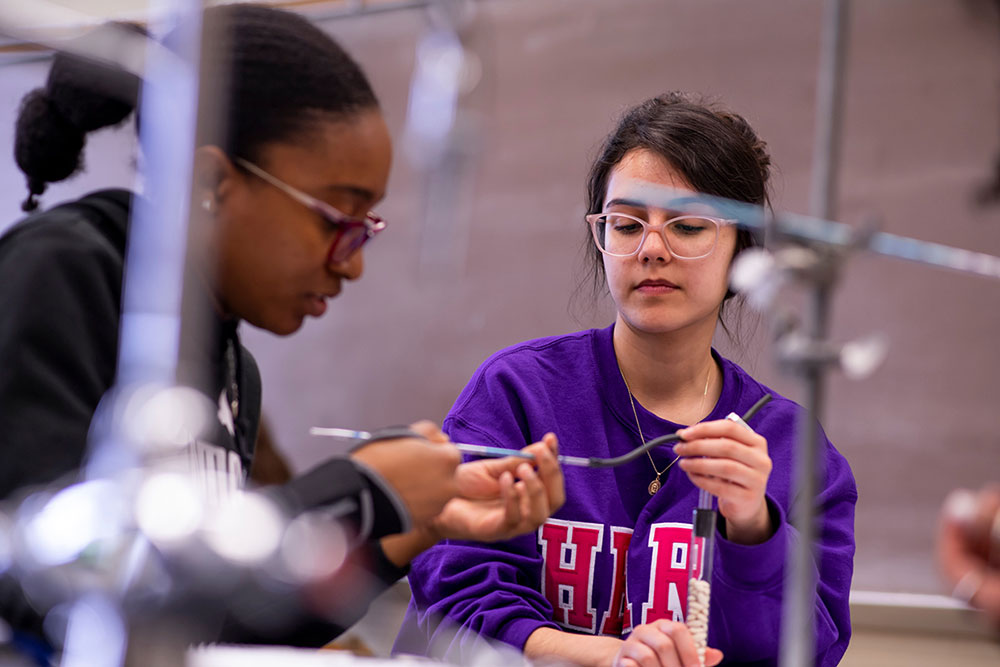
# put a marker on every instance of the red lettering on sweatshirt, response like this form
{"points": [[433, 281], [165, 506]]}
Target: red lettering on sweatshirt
{"points": [[667, 596], [618, 617], [569, 549]]}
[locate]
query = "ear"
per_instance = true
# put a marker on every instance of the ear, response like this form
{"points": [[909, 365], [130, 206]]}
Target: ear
{"points": [[215, 176]]}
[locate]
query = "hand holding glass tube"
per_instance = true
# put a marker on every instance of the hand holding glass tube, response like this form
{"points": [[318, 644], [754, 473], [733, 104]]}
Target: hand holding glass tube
{"points": [[701, 554]]}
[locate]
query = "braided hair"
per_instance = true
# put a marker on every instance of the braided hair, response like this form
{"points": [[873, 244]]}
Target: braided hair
{"points": [[275, 76]]}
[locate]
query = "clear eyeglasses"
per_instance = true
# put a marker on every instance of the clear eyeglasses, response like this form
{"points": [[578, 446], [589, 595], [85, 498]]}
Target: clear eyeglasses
{"points": [[685, 237]]}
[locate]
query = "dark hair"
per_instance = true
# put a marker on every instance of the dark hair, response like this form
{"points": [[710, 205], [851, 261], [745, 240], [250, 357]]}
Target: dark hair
{"points": [[715, 149], [79, 96], [274, 72]]}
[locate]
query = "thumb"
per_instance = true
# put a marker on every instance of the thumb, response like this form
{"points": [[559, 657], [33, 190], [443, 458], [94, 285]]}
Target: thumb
{"points": [[713, 656]]}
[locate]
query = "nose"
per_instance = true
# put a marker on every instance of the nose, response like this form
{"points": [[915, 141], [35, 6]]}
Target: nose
{"points": [[654, 247], [351, 268]]}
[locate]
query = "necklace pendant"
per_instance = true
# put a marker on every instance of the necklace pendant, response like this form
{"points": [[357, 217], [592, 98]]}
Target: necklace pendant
{"points": [[654, 486]]}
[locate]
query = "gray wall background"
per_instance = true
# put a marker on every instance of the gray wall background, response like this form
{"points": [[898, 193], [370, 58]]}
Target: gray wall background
{"points": [[920, 135]]}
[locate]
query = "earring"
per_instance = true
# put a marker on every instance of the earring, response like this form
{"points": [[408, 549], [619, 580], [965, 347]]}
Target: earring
{"points": [[208, 205]]}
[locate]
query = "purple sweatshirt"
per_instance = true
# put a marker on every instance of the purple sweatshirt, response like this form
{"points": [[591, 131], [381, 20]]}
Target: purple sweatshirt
{"points": [[613, 557]]}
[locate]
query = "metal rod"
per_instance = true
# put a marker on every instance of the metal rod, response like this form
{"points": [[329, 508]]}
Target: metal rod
{"points": [[811, 230], [798, 644], [798, 622], [829, 110], [155, 260]]}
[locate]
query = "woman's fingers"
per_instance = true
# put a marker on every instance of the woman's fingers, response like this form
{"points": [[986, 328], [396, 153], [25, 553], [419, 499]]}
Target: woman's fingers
{"points": [[723, 428], [725, 448], [549, 470], [726, 471]]}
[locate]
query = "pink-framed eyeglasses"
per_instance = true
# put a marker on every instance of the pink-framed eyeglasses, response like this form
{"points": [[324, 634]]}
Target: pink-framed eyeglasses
{"points": [[349, 233], [685, 236]]}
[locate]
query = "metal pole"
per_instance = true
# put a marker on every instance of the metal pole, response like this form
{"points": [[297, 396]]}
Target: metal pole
{"points": [[151, 294], [829, 110], [798, 643]]}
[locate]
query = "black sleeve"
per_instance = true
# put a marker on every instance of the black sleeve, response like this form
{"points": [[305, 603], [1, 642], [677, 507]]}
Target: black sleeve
{"points": [[346, 491], [269, 616], [59, 300], [59, 295]]}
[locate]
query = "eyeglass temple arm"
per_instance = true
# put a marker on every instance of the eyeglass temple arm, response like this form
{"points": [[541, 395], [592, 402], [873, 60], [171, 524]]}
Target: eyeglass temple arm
{"points": [[260, 173], [595, 462]]}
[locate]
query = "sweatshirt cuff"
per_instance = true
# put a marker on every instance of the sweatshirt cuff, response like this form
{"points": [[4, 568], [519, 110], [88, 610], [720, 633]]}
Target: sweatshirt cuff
{"points": [[384, 568], [755, 566], [389, 513], [348, 490], [517, 631]]}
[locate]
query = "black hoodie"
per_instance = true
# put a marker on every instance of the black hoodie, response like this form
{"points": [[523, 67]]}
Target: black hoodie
{"points": [[60, 303]]}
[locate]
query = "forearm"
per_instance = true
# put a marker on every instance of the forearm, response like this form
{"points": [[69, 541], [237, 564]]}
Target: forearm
{"points": [[401, 549], [584, 650]]}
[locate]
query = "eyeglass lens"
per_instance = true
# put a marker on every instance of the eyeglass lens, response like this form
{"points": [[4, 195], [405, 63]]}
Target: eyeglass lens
{"points": [[346, 242], [686, 237]]}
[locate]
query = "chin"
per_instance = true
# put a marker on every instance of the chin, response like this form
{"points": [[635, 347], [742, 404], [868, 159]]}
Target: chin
{"points": [[289, 329], [651, 322], [279, 327]]}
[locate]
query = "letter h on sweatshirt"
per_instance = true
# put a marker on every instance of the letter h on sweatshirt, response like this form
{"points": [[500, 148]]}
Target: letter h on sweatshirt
{"points": [[569, 549]]}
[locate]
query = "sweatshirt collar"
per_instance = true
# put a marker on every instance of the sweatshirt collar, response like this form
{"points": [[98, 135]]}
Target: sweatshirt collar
{"points": [[615, 395]]}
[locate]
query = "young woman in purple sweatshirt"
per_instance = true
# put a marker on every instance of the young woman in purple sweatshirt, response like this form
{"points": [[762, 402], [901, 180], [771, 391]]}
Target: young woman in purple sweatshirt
{"points": [[604, 581]]}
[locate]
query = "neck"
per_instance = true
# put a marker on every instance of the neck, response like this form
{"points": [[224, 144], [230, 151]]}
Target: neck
{"points": [[668, 372], [205, 259], [210, 288]]}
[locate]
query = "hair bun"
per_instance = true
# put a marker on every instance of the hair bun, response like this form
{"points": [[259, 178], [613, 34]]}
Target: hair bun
{"points": [[80, 88], [80, 96], [47, 146]]}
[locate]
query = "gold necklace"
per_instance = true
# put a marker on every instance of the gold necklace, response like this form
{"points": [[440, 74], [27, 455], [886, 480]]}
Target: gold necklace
{"points": [[655, 485]]}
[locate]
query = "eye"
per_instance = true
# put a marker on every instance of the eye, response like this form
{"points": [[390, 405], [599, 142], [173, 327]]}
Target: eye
{"points": [[690, 226], [331, 220], [624, 226], [331, 224]]}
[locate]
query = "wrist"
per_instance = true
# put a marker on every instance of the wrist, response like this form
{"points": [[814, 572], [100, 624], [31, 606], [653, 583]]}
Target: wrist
{"points": [[756, 529], [583, 650], [401, 549]]}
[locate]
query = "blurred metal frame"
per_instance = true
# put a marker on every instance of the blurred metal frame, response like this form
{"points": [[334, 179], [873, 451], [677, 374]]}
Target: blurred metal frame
{"points": [[22, 40], [150, 329]]}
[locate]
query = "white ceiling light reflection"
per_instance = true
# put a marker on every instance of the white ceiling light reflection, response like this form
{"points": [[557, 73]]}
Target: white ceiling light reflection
{"points": [[73, 519], [95, 634], [157, 416], [246, 530], [314, 547], [169, 507], [6, 546]]}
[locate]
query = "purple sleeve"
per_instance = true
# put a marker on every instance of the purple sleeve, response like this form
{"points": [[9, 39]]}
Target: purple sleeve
{"points": [[748, 581], [464, 590]]}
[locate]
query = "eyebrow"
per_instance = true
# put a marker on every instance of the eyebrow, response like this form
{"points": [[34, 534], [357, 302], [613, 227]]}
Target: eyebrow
{"points": [[638, 203], [363, 193], [622, 201]]}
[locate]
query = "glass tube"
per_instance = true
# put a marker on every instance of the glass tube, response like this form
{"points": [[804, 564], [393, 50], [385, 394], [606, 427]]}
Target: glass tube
{"points": [[701, 554]]}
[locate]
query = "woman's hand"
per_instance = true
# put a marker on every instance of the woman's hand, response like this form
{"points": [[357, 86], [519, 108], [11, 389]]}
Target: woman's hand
{"points": [[421, 470], [731, 462], [492, 505], [968, 547], [662, 644]]}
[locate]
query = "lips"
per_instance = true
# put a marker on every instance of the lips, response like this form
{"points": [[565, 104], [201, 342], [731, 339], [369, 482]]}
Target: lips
{"points": [[316, 302], [315, 305], [656, 287]]}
